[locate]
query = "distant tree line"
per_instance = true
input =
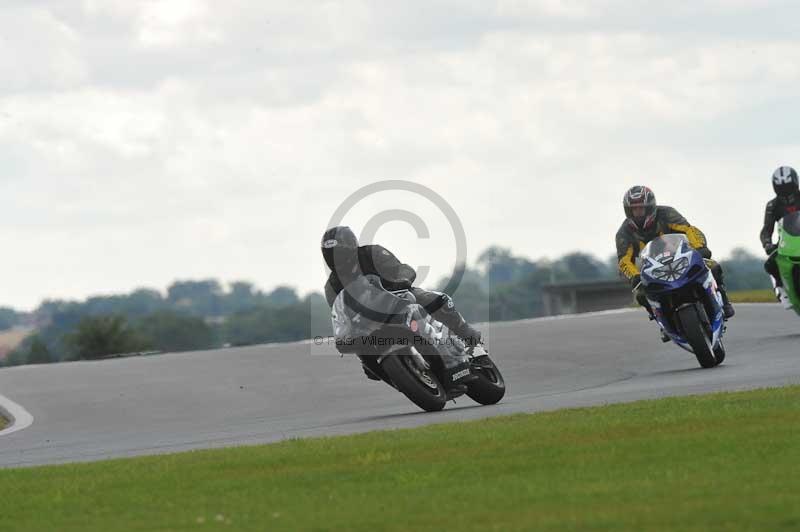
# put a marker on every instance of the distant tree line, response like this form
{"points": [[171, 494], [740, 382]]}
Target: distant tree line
{"points": [[193, 315], [503, 286], [197, 315], [9, 318]]}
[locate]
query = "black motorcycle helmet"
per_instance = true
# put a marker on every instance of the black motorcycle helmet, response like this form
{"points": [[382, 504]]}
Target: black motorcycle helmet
{"points": [[340, 249], [785, 183], [640, 208]]}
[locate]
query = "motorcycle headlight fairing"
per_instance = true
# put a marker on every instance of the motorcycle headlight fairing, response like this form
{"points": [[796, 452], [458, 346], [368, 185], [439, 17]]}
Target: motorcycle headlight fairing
{"points": [[671, 271]]}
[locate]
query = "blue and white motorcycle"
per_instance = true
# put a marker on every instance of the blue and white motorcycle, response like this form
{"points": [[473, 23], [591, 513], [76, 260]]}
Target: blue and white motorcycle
{"points": [[684, 297]]}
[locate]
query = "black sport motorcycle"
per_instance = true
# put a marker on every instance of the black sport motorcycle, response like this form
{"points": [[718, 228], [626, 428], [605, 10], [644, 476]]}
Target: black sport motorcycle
{"points": [[398, 342]]}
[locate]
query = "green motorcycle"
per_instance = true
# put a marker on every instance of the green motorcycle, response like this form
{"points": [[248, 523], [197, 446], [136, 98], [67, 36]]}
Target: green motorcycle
{"points": [[788, 257]]}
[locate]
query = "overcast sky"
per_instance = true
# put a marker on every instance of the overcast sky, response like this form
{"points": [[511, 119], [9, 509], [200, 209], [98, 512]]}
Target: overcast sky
{"points": [[147, 141]]}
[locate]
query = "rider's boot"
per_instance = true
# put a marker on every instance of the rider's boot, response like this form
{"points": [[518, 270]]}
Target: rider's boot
{"points": [[781, 294], [727, 308], [716, 270], [664, 336], [783, 297], [472, 340], [477, 350], [468, 334]]}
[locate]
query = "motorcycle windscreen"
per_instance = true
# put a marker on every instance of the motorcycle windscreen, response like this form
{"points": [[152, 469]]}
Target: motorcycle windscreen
{"points": [[667, 245], [362, 308], [790, 235]]}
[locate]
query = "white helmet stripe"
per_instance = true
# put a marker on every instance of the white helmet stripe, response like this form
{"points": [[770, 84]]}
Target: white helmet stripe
{"points": [[783, 175]]}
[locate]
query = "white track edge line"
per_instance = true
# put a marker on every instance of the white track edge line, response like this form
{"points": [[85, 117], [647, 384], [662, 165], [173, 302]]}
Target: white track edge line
{"points": [[18, 417]]}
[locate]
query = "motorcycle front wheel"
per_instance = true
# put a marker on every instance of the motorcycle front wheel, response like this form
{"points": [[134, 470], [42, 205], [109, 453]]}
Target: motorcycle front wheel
{"points": [[490, 387], [696, 333], [419, 384]]}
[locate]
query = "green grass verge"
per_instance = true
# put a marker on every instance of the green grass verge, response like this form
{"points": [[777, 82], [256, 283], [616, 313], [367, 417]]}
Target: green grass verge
{"points": [[3, 422], [705, 463], [753, 296]]}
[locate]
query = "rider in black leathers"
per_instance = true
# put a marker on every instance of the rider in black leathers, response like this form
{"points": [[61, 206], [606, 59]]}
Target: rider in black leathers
{"points": [[786, 201], [347, 260]]}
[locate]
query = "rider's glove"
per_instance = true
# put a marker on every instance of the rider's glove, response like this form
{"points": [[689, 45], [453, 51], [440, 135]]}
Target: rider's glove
{"points": [[770, 249], [412, 313]]}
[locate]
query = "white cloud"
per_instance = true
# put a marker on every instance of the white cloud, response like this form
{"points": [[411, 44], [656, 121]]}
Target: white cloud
{"points": [[146, 141], [37, 51], [165, 23]]}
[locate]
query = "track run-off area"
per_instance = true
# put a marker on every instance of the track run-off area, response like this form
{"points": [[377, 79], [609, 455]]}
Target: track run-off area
{"points": [[83, 411]]}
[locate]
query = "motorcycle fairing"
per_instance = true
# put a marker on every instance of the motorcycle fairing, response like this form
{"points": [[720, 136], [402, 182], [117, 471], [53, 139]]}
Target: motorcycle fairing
{"points": [[352, 325], [788, 257], [668, 265]]}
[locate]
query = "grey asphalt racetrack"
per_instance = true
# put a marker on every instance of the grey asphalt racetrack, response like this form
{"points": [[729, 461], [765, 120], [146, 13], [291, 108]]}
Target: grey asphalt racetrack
{"points": [[94, 410]]}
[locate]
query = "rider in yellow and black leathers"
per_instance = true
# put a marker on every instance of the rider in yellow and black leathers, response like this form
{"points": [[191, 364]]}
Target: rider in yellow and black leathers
{"points": [[631, 239], [645, 220]]}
